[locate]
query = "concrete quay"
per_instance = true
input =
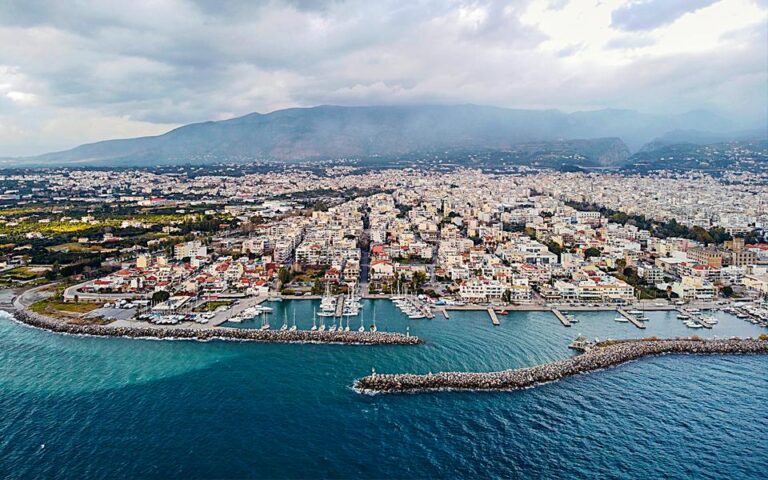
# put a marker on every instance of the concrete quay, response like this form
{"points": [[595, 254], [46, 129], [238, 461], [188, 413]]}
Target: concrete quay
{"points": [[494, 318], [604, 355], [561, 317], [634, 321]]}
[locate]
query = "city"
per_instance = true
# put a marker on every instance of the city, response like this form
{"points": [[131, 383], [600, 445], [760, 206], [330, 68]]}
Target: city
{"points": [[384, 240], [460, 238]]}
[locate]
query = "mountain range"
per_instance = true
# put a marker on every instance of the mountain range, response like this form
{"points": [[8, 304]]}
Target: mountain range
{"points": [[595, 138]]}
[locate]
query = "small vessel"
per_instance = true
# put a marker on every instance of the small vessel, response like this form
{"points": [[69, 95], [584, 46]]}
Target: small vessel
{"points": [[621, 320], [293, 327], [581, 344], [635, 312], [346, 329], [284, 326], [264, 322], [362, 328], [683, 316], [314, 320]]}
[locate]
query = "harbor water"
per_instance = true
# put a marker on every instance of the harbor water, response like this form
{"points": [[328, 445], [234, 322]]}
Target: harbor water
{"points": [[77, 407]]}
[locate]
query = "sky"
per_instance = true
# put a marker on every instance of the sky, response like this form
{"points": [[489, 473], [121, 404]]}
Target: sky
{"points": [[82, 71]]}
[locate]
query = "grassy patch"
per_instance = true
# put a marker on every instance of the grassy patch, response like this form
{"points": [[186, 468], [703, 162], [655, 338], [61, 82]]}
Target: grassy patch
{"points": [[57, 308], [213, 305]]}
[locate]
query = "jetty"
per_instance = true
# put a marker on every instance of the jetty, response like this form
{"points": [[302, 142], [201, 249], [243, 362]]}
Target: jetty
{"points": [[444, 312], [494, 318], [634, 321], [339, 306], [561, 317], [215, 333], [602, 355]]}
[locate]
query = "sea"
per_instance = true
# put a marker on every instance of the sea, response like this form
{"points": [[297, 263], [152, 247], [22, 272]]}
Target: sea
{"points": [[79, 407]]}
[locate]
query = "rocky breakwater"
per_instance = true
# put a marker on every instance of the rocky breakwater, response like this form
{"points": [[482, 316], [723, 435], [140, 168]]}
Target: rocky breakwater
{"points": [[603, 356], [218, 333]]}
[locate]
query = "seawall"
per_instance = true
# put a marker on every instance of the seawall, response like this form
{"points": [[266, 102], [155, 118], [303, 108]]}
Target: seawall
{"points": [[216, 333], [603, 356]]}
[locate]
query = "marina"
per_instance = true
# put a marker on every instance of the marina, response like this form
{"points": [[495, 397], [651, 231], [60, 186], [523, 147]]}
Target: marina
{"points": [[178, 376]]}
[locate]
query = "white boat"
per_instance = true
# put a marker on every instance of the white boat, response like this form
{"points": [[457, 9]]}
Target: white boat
{"points": [[314, 319], [683, 317], [635, 312], [621, 319]]}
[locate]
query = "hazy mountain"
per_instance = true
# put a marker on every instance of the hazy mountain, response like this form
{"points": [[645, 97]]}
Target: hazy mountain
{"points": [[332, 132]]}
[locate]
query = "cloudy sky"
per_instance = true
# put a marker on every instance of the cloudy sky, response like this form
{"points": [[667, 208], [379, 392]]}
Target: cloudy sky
{"points": [[79, 71]]}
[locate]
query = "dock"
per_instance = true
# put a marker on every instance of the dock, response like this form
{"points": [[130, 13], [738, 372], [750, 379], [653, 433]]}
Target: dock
{"points": [[494, 318], [444, 312], [561, 317], [339, 306], [631, 318]]}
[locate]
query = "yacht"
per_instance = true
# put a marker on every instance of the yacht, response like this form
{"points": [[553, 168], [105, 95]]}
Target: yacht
{"points": [[284, 326], [621, 320], [293, 327], [264, 322]]}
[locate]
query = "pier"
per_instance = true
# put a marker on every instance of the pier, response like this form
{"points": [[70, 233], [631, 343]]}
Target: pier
{"points": [[561, 317], [603, 355], [444, 312], [339, 306], [494, 318], [631, 318]]}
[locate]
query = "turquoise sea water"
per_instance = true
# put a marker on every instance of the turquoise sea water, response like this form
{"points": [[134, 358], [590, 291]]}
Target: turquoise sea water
{"points": [[106, 408]]}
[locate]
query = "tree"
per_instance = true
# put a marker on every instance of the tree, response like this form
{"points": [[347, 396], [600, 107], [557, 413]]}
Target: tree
{"points": [[592, 252], [506, 297], [160, 296], [284, 275], [419, 279]]}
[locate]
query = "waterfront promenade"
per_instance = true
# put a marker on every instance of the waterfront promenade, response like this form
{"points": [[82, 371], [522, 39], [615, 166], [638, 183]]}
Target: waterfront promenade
{"points": [[608, 354]]}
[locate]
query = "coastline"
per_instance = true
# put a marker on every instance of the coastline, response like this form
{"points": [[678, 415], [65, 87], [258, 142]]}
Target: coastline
{"points": [[598, 358], [21, 314]]}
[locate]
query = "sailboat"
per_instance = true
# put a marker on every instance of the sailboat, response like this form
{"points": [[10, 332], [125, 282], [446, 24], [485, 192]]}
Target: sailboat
{"points": [[346, 329], [314, 319], [264, 322], [373, 327], [322, 325], [362, 328], [284, 326], [293, 327]]}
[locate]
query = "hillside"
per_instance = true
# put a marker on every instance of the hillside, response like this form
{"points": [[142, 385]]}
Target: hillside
{"points": [[332, 132]]}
